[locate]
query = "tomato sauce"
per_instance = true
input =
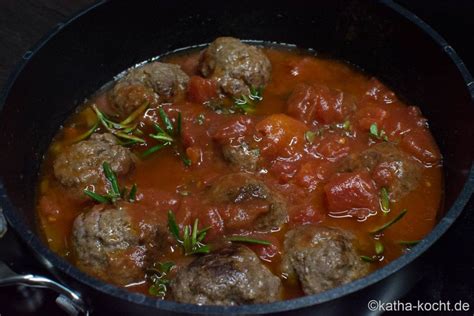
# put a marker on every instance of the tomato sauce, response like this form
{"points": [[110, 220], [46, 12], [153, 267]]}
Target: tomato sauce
{"points": [[314, 113]]}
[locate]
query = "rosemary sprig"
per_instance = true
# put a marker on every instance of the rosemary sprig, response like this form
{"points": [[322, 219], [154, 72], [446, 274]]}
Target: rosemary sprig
{"points": [[389, 223], [112, 179], [86, 134], [167, 136], [368, 258], [135, 114], [191, 240], [384, 201], [115, 194], [121, 130], [247, 103], [166, 121], [376, 133], [132, 197], [158, 276], [248, 240], [409, 243]]}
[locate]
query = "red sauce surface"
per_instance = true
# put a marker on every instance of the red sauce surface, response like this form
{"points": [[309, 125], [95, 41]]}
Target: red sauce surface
{"points": [[305, 94]]}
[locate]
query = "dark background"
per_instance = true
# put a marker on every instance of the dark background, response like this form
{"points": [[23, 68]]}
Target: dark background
{"points": [[450, 277]]}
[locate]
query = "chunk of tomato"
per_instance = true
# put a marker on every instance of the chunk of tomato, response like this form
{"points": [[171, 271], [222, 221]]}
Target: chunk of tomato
{"points": [[201, 90], [352, 194], [308, 103]]}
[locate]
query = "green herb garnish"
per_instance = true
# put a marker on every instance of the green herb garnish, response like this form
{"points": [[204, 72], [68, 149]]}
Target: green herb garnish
{"points": [[309, 136], [249, 240], [389, 223], [346, 125], [379, 248], [97, 197], [87, 133], [115, 194], [247, 103], [376, 133], [124, 129], [132, 197], [191, 240], [167, 136], [152, 150], [409, 243], [368, 259], [158, 276], [166, 121], [384, 201], [112, 179]]}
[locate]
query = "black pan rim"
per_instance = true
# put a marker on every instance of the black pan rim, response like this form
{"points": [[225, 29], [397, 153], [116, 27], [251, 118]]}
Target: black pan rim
{"points": [[41, 250]]}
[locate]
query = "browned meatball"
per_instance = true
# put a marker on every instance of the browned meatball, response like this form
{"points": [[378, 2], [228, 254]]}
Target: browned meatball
{"points": [[104, 241], [232, 275], [236, 66], [322, 258], [80, 165], [389, 166], [240, 188], [241, 156], [151, 83]]}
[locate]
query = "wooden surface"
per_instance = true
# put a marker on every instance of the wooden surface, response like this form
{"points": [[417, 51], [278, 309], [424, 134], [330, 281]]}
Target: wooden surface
{"points": [[24, 22]]}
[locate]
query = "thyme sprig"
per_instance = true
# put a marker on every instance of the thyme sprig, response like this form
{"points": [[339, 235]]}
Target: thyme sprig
{"points": [[192, 238], [115, 193]]}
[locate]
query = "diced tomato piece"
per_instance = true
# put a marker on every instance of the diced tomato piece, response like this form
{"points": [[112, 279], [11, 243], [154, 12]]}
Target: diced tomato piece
{"points": [[308, 103], [379, 92], [302, 103], [419, 143], [231, 128], [212, 218], [194, 154], [284, 170], [267, 253], [305, 214], [369, 115], [242, 215], [352, 193], [201, 90], [282, 136], [333, 146], [312, 173]]}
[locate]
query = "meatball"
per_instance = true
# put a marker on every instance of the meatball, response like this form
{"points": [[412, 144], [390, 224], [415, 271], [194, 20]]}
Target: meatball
{"points": [[243, 193], [241, 156], [80, 165], [229, 276], [389, 167], [106, 246], [235, 66], [151, 83], [321, 257]]}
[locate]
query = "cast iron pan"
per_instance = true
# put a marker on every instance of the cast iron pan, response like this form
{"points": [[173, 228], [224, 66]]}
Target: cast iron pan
{"points": [[80, 56]]}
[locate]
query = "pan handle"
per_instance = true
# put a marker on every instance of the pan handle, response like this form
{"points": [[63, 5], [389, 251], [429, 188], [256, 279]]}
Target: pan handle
{"points": [[70, 301]]}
